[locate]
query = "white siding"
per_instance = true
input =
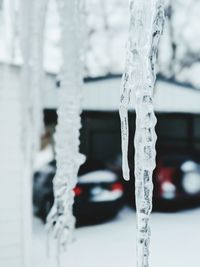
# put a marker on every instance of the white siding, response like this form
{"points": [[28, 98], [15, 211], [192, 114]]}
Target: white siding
{"points": [[14, 216]]}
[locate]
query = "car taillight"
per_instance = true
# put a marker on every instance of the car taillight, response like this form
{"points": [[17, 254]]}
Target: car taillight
{"points": [[117, 186], [78, 191], [165, 175]]}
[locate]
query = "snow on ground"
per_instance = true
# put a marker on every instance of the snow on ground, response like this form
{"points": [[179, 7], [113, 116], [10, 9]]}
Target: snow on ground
{"points": [[175, 242]]}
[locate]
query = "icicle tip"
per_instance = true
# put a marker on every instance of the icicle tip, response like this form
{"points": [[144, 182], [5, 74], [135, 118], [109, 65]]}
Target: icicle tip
{"points": [[126, 176]]}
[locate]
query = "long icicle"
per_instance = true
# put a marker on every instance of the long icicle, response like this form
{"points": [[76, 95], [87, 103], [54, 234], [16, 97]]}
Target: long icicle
{"points": [[32, 24], [68, 158], [25, 8], [38, 19], [146, 26]]}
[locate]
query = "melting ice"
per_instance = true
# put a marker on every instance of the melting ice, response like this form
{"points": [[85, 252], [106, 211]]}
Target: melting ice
{"points": [[146, 26]]}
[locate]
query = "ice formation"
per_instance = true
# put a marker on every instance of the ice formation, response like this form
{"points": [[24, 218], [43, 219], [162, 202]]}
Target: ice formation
{"points": [[68, 158], [24, 40], [60, 219], [38, 18], [146, 26], [32, 21]]}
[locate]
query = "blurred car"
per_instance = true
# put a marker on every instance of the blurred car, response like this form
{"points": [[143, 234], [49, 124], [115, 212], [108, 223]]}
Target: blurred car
{"points": [[98, 194], [176, 183]]}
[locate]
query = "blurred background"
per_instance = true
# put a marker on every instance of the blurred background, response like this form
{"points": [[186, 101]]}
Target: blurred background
{"points": [[104, 204]]}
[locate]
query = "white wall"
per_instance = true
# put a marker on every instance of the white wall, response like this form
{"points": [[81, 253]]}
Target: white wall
{"points": [[15, 196]]}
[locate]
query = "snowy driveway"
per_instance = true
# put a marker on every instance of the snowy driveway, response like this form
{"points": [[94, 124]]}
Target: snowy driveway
{"points": [[175, 242]]}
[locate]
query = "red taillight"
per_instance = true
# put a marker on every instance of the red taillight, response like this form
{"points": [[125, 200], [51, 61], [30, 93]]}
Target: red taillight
{"points": [[78, 191], [165, 174], [117, 186]]}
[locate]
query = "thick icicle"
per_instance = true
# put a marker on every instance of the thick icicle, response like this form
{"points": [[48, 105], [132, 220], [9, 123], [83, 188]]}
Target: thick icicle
{"points": [[68, 158], [33, 16], [38, 19], [146, 25], [25, 8]]}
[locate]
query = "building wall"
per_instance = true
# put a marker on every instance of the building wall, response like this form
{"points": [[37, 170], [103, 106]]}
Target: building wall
{"points": [[15, 187]]}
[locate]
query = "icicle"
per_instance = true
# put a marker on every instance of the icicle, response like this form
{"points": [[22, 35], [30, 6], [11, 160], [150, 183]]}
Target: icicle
{"points": [[146, 25], [33, 14], [30, 44], [123, 110], [10, 25], [39, 10], [60, 219], [25, 8]]}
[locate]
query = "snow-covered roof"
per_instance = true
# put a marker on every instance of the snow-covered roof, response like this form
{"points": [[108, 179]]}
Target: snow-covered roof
{"points": [[107, 28], [103, 95]]}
